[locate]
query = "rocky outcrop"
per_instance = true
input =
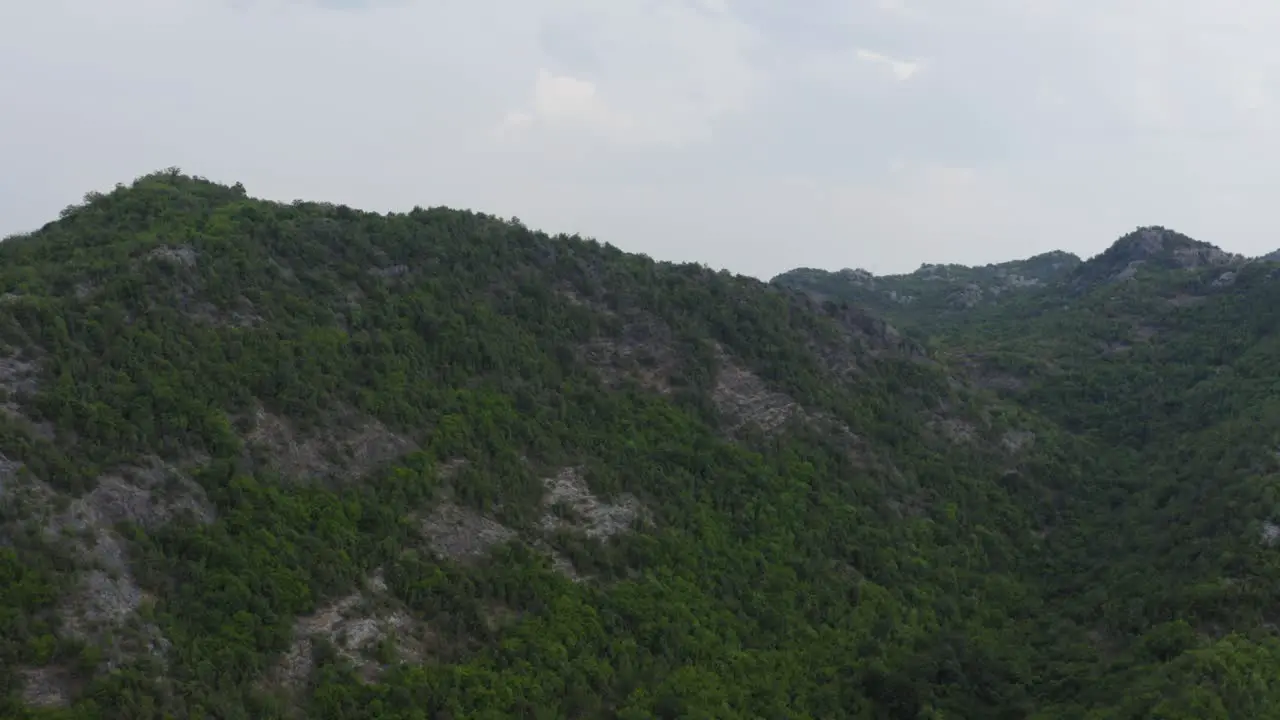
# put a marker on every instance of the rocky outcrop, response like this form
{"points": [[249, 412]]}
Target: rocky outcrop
{"points": [[644, 351], [355, 625], [462, 534], [1154, 247], [571, 505], [350, 445], [743, 399], [150, 495]]}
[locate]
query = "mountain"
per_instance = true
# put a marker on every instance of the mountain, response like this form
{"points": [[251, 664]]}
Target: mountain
{"points": [[1154, 248], [933, 291], [1161, 354], [267, 460]]}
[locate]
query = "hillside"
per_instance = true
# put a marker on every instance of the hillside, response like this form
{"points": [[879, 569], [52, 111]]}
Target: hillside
{"points": [[276, 461], [1161, 353]]}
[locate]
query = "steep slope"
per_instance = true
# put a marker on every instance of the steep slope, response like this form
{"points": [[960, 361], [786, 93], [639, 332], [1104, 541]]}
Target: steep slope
{"points": [[265, 460], [1161, 353]]}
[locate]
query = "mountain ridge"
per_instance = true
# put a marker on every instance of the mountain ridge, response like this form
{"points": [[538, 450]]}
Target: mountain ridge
{"points": [[298, 460]]}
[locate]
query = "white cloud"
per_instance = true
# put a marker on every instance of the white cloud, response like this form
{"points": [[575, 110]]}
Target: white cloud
{"points": [[901, 69], [563, 101]]}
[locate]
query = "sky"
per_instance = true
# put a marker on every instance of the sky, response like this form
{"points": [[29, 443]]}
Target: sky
{"points": [[752, 135]]}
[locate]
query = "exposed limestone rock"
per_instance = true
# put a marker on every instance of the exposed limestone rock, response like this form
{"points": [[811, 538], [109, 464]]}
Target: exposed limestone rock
{"points": [[859, 277], [355, 625], [107, 594], [42, 430], [19, 380], [1270, 533], [984, 373], [1194, 257], [570, 293], [210, 314], [588, 513], [643, 352], [1129, 271], [46, 687], [352, 445], [968, 296], [1016, 440], [1164, 248], [18, 375], [181, 255], [743, 398], [107, 597], [102, 606], [150, 496], [954, 429], [450, 468], [8, 473], [1225, 279], [559, 562], [865, 334], [389, 272], [461, 534], [1144, 333], [570, 505]]}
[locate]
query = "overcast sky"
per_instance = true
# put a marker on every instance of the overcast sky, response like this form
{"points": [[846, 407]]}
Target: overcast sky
{"points": [[754, 135]]}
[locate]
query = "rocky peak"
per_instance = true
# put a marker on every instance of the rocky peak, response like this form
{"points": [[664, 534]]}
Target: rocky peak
{"points": [[1151, 246]]}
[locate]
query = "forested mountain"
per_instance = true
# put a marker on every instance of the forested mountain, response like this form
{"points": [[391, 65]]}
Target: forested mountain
{"points": [[1161, 353], [264, 460]]}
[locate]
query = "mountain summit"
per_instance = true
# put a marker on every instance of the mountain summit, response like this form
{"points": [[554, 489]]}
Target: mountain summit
{"points": [[1151, 247]]}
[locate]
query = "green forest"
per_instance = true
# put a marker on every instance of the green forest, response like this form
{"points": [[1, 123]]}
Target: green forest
{"points": [[267, 460]]}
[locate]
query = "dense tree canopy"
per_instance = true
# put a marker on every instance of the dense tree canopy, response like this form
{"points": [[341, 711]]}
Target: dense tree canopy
{"points": [[689, 494]]}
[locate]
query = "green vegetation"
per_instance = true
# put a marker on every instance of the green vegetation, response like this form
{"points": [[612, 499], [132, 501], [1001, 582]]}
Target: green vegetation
{"points": [[935, 296], [487, 473], [1160, 353]]}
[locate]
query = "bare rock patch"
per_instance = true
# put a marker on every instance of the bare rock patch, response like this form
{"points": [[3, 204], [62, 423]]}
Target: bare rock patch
{"points": [[183, 255], [954, 429], [150, 496], [743, 398], [103, 606], [47, 687], [1270, 534], [461, 534], [1016, 440], [19, 374], [1184, 300], [355, 625], [644, 352], [571, 505], [352, 445]]}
